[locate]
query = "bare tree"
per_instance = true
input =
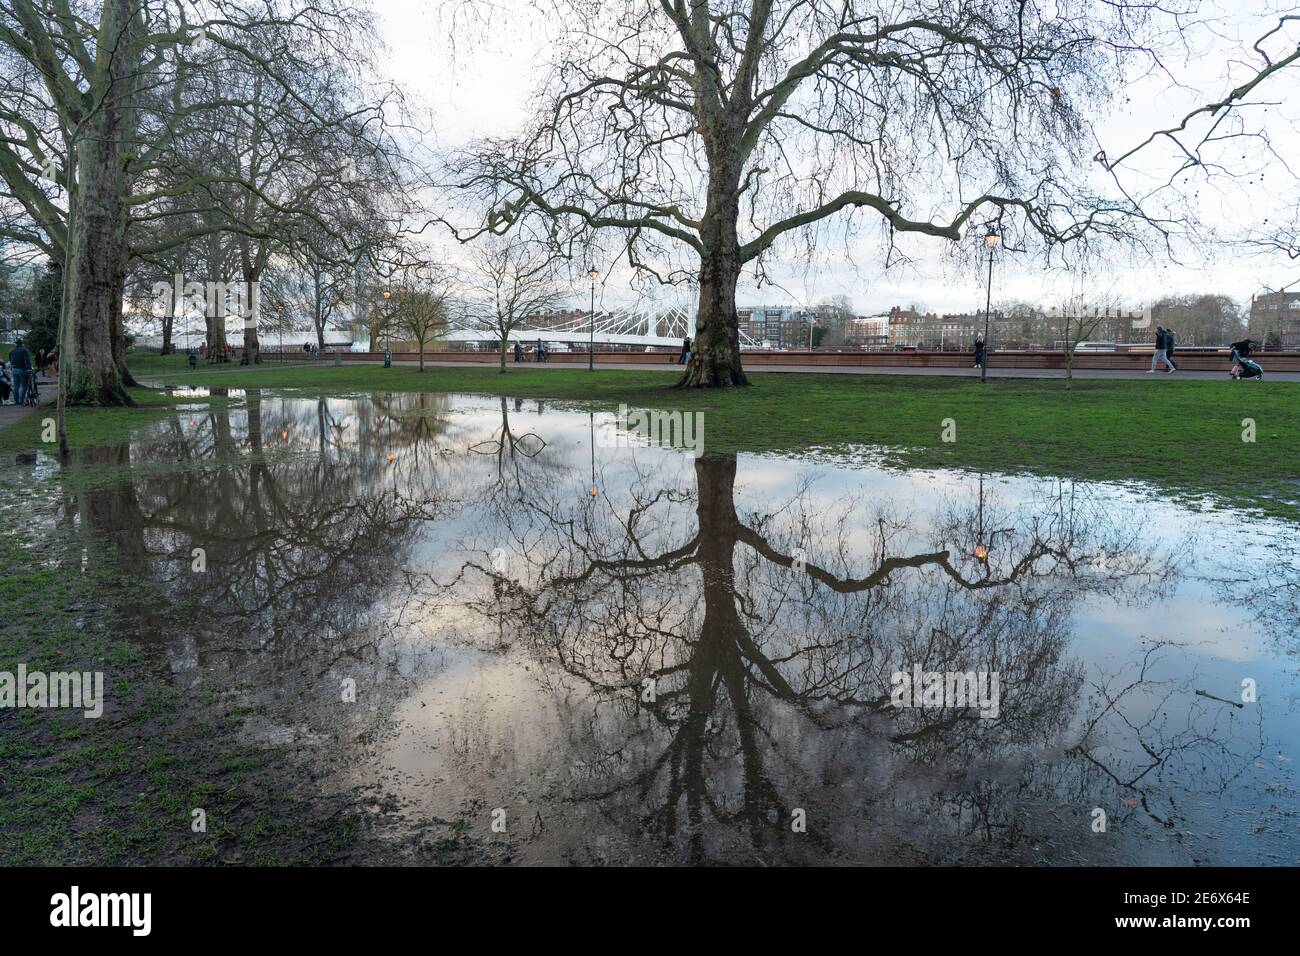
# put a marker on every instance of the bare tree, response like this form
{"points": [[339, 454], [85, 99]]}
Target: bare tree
{"points": [[725, 127], [419, 305], [311, 288], [375, 311], [1228, 143], [833, 318], [514, 276], [1201, 319], [100, 106], [1083, 311], [1207, 140]]}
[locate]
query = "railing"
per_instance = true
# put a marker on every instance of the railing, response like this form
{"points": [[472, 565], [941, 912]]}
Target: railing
{"points": [[1200, 360]]}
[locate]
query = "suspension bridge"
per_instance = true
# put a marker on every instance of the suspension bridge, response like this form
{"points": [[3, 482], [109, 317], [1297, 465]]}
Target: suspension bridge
{"points": [[662, 328]]}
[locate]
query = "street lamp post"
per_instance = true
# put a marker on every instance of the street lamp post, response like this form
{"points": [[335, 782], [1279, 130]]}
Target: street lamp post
{"points": [[592, 274], [388, 337], [991, 240], [387, 295]]}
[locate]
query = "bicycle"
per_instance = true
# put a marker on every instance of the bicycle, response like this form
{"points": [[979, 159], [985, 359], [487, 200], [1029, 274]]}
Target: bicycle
{"points": [[33, 397]]}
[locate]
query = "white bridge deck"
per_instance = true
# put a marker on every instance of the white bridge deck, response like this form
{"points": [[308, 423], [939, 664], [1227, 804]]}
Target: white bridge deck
{"points": [[663, 329]]}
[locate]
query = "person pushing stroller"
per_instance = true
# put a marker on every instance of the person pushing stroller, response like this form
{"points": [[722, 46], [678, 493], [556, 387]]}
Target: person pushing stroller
{"points": [[1242, 365]]}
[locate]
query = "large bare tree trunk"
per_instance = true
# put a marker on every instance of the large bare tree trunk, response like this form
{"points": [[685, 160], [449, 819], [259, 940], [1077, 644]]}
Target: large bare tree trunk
{"points": [[168, 323], [252, 348], [318, 311], [92, 340], [216, 334], [94, 376], [1069, 356], [715, 351]]}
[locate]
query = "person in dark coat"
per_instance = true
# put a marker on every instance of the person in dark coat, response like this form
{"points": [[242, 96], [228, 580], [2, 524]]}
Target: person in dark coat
{"points": [[20, 368], [686, 351], [1242, 365], [1162, 342]]}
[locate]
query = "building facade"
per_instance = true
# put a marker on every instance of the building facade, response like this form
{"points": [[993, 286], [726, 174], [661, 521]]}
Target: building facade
{"points": [[776, 326], [1275, 319]]}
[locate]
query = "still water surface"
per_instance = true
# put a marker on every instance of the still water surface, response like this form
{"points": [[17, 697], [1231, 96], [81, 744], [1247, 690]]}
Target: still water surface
{"points": [[643, 656]]}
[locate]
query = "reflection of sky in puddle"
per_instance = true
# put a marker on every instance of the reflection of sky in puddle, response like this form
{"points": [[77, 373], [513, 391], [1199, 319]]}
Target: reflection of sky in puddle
{"points": [[498, 621], [200, 391]]}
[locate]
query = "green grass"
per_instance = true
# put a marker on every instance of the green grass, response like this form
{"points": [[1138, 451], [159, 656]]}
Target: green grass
{"points": [[121, 789], [1180, 435], [1183, 436], [91, 427]]}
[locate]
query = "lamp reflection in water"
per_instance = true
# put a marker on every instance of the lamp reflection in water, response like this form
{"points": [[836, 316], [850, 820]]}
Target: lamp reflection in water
{"points": [[591, 423], [982, 544]]}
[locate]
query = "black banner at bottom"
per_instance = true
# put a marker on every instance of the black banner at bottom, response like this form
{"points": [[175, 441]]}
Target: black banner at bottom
{"points": [[333, 906]]}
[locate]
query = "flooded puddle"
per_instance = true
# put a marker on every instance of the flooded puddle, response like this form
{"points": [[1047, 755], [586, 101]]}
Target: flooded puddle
{"points": [[504, 615]]}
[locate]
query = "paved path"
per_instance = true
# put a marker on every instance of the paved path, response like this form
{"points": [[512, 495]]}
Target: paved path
{"points": [[878, 370], [10, 413]]}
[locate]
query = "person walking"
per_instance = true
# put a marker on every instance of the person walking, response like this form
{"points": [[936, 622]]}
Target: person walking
{"points": [[519, 351], [979, 350], [1170, 340], [1162, 342], [686, 351], [20, 365]]}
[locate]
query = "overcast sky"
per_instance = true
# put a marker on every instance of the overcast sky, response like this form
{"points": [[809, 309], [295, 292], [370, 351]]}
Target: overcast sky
{"points": [[476, 84]]}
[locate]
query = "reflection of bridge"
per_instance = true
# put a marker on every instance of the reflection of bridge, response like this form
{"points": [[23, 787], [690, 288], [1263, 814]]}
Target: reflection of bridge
{"points": [[664, 328]]}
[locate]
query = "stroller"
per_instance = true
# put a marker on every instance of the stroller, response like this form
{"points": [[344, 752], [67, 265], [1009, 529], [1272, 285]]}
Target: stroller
{"points": [[1242, 365]]}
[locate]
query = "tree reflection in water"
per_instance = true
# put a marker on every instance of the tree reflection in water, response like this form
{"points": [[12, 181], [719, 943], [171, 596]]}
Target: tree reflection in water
{"points": [[769, 643], [351, 538]]}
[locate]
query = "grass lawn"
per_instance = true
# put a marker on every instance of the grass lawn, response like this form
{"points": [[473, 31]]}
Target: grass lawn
{"points": [[1184, 436]]}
